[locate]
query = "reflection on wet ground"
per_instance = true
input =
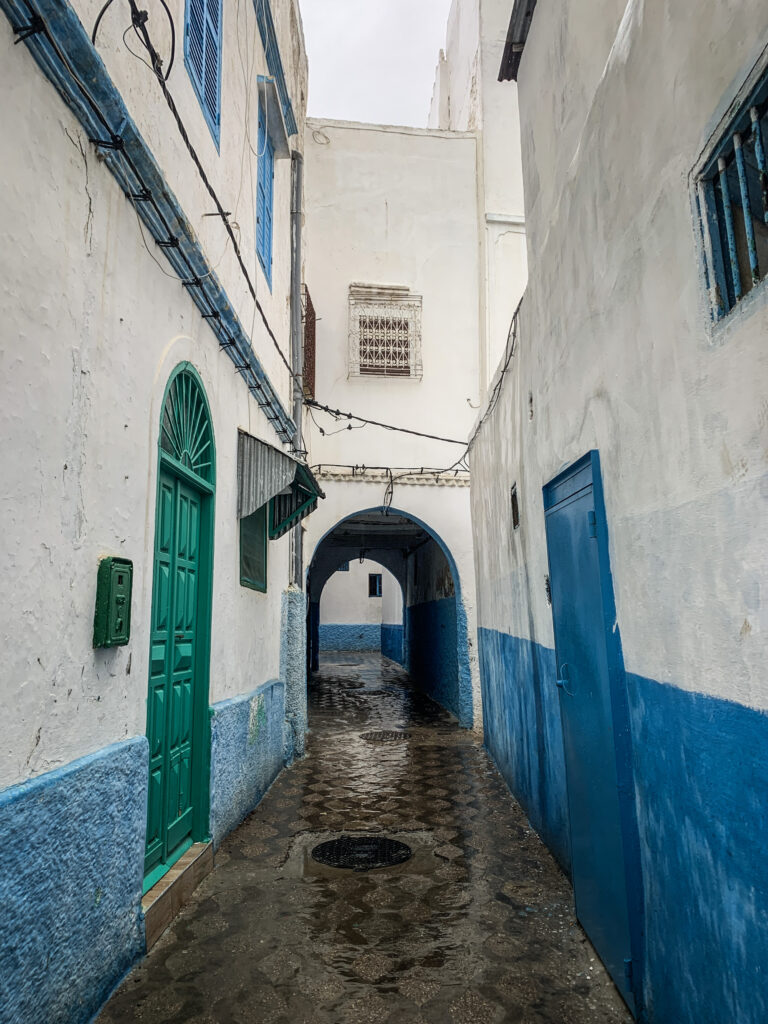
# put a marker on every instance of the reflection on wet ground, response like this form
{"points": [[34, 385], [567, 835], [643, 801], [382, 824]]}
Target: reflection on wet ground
{"points": [[476, 927]]}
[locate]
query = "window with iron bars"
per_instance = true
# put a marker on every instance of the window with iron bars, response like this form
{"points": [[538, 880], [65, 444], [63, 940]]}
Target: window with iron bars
{"points": [[384, 331], [732, 197], [310, 322]]}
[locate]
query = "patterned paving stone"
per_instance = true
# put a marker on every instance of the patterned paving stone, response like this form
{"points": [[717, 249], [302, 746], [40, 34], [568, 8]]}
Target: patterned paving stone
{"points": [[476, 928]]}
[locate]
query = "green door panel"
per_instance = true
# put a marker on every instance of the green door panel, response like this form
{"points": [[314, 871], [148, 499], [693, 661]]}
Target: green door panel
{"points": [[177, 704]]}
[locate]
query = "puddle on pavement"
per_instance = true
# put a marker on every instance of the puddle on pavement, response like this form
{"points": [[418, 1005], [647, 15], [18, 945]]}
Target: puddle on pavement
{"points": [[477, 927]]}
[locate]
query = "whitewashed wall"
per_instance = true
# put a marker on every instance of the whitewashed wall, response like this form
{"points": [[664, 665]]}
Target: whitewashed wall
{"points": [[467, 96], [392, 205], [621, 355], [91, 330], [392, 600]]}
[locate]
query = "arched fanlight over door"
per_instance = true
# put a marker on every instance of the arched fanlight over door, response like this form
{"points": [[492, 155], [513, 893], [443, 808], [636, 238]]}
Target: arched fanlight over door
{"points": [[185, 428], [178, 731]]}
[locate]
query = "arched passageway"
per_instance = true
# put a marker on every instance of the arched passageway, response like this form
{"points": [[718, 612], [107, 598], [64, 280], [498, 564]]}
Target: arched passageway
{"points": [[434, 626], [361, 609]]}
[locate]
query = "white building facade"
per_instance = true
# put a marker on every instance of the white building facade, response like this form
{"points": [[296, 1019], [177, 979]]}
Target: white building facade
{"points": [[415, 261], [618, 491], [392, 268], [467, 96], [153, 678]]}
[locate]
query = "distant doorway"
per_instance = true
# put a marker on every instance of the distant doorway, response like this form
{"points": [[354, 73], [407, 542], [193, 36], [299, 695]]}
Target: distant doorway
{"points": [[361, 607]]}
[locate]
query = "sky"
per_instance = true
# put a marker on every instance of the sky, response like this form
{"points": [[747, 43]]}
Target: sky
{"points": [[373, 60]]}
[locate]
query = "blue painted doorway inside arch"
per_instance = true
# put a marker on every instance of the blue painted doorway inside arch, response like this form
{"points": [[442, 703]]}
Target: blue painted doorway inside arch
{"points": [[593, 704]]}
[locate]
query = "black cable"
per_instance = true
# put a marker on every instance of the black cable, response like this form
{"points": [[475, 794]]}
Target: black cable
{"points": [[338, 415], [142, 193], [99, 16], [403, 471], [155, 58], [104, 10]]}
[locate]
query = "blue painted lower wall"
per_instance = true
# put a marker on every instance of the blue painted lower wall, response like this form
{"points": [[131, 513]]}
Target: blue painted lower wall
{"points": [[701, 779], [246, 753], [523, 732], [701, 767], [364, 636], [431, 640], [392, 642], [70, 885]]}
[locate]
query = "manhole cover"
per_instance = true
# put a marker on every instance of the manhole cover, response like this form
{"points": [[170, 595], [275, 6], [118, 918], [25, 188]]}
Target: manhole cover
{"points": [[361, 853], [385, 736]]}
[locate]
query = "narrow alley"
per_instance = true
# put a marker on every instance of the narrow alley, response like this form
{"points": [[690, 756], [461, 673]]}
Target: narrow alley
{"points": [[384, 405], [476, 927]]}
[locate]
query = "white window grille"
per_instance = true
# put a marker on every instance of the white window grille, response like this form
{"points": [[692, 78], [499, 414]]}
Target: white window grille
{"points": [[384, 331]]}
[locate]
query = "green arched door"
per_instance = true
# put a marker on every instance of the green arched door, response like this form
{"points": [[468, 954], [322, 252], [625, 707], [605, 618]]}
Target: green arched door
{"points": [[177, 705]]}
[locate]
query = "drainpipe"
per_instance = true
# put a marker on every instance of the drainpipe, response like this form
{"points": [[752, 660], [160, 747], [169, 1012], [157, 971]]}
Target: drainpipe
{"points": [[297, 167]]}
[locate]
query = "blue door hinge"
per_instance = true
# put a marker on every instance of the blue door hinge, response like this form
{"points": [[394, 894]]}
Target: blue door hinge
{"points": [[592, 522], [628, 970]]}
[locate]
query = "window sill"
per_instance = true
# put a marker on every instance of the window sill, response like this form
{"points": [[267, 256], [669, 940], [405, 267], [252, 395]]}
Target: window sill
{"points": [[260, 588]]}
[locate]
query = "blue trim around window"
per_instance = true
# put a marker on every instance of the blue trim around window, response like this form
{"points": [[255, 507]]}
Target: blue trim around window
{"points": [[732, 202], [274, 63], [264, 197], [202, 57]]}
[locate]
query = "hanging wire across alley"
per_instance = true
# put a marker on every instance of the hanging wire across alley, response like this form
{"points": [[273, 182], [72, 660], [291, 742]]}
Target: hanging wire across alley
{"points": [[142, 195], [339, 415], [139, 24], [139, 20], [396, 474], [152, 207]]}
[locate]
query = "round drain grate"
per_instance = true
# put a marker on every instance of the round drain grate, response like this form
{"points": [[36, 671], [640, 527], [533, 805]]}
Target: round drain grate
{"points": [[361, 853], [385, 736]]}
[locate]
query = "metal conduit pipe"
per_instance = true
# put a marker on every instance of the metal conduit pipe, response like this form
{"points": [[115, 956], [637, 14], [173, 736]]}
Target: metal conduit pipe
{"points": [[297, 175]]}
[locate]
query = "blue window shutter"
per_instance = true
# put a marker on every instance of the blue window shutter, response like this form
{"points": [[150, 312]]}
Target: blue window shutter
{"points": [[203, 56], [195, 37], [264, 198], [212, 58], [269, 176]]}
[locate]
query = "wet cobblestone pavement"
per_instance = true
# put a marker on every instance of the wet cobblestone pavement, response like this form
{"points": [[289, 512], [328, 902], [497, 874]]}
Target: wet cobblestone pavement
{"points": [[476, 927]]}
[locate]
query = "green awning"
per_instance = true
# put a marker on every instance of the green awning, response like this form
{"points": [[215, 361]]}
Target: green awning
{"points": [[295, 503]]}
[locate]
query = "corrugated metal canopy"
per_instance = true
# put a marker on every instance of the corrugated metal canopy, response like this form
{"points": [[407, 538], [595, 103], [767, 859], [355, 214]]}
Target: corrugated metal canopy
{"points": [[286, 510], [262, 472]]}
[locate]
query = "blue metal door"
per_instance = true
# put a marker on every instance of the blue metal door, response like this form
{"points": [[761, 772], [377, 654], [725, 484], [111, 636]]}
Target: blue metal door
{"points": [[593, 710]]}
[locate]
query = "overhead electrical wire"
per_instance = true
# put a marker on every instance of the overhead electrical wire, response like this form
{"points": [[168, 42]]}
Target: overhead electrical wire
{"points": [[139, 24], [140, 193], [339, 415], [397, 473], [139, 21]]}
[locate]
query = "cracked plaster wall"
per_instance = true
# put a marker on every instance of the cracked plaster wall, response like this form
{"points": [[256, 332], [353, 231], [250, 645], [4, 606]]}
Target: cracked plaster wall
{"points": [[92, 328]]}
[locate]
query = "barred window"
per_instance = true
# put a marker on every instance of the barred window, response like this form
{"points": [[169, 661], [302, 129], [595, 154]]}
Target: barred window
{"points": [[732, 195], [385, 346], [384, 331]]}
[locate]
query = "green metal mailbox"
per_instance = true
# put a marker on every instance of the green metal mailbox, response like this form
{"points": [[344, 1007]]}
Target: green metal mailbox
{"points": [[112, 619]]}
